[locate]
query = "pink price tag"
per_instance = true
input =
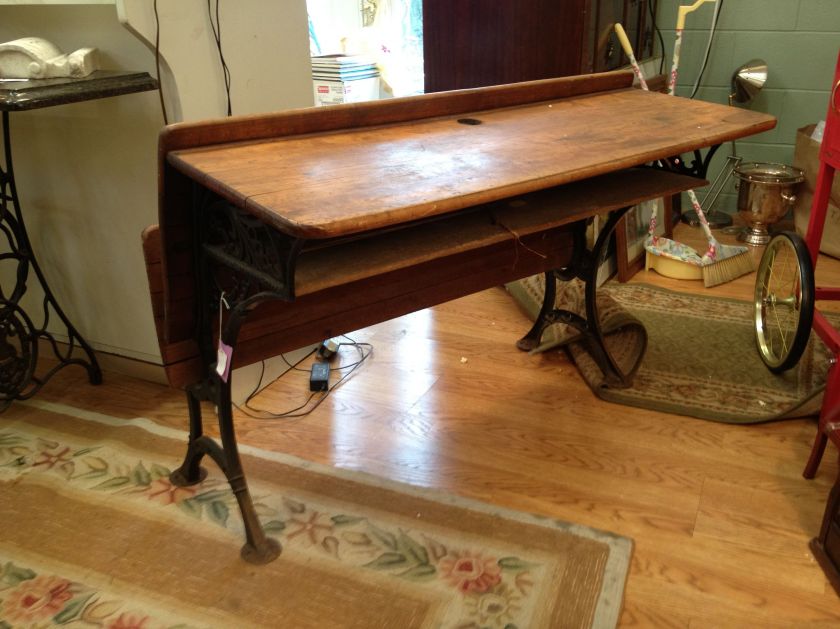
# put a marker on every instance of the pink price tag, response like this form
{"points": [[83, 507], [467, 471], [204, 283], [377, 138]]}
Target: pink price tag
{"points": [[224, 356]]}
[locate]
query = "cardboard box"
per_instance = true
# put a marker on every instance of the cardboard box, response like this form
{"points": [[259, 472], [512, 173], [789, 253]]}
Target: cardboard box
{"points": [[807, 157], [338, 92]]}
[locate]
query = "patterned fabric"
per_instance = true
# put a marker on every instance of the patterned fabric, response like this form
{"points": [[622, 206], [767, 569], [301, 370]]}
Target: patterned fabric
{"points": [[660, 246], [624, 336], [702, 361], [95, 534]]}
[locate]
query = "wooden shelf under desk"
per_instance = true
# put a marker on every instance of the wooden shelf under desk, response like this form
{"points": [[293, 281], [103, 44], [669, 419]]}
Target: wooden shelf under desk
{"points": [[331, 264]]}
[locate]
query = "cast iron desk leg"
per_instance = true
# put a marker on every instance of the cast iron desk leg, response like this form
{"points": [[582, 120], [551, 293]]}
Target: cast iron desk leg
{"points": [[258, 547], [19, 336], [213, 218], [585, 265]]}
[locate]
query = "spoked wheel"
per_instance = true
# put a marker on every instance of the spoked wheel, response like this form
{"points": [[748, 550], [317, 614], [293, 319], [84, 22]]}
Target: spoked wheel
{"points": [[784, 301]]}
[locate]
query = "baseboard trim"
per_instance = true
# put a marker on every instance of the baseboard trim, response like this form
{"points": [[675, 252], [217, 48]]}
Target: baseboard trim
{"points": [[124, 365], [247, 377], [132, 367]]}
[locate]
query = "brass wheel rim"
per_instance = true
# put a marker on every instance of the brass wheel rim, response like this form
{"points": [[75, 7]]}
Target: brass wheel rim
{"points": [[778, 301]]}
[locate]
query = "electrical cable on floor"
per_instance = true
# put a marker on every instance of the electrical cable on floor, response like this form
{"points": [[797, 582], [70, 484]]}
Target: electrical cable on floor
{"points": [[364, 349], [217, 35], [712, 31], [157, 64], [290, 365], [258, 388]]}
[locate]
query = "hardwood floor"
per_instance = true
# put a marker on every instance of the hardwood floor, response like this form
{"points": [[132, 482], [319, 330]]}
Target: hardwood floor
{"points": [[720, 514]]}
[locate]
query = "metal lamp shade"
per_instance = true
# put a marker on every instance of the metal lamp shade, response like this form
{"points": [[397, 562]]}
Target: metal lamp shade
{"points": [[748, 80]]}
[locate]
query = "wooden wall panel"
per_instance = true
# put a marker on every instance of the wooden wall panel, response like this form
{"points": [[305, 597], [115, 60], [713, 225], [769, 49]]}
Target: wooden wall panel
{"points": [[473, 43]]}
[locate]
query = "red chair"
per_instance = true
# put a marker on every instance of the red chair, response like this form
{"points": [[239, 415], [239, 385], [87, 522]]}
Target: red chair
{"points": [[785, 314], [785, 293]]}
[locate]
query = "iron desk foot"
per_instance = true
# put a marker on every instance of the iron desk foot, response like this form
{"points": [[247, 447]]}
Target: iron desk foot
{"points": [[258, 547]]}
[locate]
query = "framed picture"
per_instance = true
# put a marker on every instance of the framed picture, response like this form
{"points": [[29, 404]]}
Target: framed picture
{"points": [[632, 230]]}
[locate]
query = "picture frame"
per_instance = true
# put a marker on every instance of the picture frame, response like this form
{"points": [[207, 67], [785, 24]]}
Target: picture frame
{"points": [[632, 230]]}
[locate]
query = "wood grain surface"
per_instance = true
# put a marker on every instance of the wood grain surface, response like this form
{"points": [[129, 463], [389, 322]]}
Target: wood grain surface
{"points": [[332, 184]]}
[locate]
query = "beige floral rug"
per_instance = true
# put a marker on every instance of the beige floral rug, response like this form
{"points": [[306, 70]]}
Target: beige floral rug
{"points": [[700, 358], [94, 535]]}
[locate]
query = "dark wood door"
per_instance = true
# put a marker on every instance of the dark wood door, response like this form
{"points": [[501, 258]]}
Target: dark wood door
{"points": [[473, 43]]}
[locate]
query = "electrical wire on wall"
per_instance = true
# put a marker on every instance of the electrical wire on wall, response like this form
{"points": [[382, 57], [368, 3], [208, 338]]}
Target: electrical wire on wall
{"points": [[659, 35], [712, 31], [217, 35], [364, 350], [157, 64]]}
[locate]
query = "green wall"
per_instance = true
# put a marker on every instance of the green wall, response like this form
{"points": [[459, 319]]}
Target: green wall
{"points": [[799, 40]]}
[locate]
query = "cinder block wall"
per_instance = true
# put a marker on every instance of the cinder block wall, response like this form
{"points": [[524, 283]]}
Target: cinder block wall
{"points": [[799, 40]]}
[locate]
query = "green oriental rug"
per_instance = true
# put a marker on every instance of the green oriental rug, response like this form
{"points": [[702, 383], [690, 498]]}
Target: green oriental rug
{"points": [[95, 535], [693, 355]]}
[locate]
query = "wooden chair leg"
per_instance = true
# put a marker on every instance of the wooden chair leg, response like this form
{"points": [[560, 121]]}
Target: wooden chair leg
{"points": [[816, 453], [824, 546], [828, 422]]}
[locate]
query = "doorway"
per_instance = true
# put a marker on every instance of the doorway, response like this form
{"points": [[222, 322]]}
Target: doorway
{"points": [[389, 32]]}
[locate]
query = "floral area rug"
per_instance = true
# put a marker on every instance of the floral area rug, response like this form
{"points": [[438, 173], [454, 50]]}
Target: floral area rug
{"points": [[700, 358], [94, 535]]}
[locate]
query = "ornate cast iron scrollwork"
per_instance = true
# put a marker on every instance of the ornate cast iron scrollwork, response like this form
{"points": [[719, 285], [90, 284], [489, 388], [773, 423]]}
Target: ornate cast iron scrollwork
{"points": [[19, 336], [253, 256], [235, 255], [14, 252], [699, 165], [18, 350]]}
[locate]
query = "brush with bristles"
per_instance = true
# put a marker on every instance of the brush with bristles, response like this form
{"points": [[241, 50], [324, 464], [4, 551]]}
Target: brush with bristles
{"points": [[721, 263]]}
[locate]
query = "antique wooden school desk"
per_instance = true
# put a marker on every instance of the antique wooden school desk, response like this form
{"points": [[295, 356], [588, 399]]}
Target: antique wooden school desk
{"points": [[321, 221]]}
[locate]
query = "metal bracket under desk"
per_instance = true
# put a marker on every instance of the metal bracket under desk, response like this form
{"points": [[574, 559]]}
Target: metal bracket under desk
{"points": [[585, 266]]}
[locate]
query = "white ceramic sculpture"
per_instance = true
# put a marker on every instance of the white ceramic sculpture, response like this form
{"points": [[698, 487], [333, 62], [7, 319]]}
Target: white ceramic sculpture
{"points": [[37, 58]]}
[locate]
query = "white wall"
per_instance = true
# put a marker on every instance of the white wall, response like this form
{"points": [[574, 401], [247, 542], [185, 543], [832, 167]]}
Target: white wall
{"points": [[334, 20], [87, 172], [265, 44]]}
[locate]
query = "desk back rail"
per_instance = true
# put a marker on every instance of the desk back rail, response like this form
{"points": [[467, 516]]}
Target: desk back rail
{"points": [[319, 120]]}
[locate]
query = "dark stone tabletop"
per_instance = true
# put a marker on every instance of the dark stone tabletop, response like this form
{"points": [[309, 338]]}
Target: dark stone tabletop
{"points": [[36, 93]]}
